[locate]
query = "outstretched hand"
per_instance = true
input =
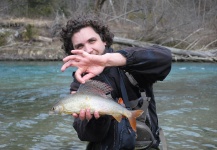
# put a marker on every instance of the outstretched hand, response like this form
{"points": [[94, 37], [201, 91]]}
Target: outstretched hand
{"points": [[88, 65]]}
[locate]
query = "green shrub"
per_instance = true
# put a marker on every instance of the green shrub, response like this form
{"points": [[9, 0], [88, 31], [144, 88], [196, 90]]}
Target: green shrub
{"points": [[3, 38], [30, 33]]}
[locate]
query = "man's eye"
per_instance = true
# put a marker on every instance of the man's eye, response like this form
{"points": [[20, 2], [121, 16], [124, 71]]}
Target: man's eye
{"points": [[79, 47], [92, 41]]}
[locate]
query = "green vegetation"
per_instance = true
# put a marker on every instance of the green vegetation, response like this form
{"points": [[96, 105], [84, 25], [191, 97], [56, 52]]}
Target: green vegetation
{"points": [[29, 33], [3, 38], [34, 8]]}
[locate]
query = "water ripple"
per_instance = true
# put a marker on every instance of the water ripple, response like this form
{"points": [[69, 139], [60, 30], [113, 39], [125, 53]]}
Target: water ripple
{"points": [[42, 116], [26, 123], [186, 104], [191, 133], [210, 129], [210, 146]]}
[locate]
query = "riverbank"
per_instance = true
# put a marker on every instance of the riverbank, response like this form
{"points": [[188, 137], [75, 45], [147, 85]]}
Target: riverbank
{"points": [[32, 51], [51, 51], [26, 39]]}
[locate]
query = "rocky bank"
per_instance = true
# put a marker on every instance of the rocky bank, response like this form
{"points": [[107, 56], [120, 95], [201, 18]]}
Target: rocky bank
{"points": [[32, 51]]}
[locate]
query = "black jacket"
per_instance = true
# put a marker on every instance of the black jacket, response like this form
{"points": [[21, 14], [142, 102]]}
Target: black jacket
{"points": [[147, 65]]}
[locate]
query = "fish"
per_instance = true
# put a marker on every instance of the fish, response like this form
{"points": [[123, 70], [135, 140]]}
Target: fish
{"points": [[93, 95]]}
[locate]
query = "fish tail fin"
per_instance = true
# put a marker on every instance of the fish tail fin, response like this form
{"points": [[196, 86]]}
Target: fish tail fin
{"points": [[132, 118]]}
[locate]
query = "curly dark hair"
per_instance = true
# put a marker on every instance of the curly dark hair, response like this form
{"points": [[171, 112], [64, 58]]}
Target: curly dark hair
{"points": [[74, 25]]}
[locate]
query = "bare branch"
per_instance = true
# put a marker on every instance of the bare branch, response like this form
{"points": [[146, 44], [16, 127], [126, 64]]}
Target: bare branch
{"points": [[123, 14]]}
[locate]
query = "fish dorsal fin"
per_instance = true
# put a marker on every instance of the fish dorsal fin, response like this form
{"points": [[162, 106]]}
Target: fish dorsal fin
{"points": [[95, 87]]}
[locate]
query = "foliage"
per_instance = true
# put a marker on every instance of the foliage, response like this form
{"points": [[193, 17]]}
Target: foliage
{"points": [[3, 38], [34, 8], [39, 8], [29, 33]]}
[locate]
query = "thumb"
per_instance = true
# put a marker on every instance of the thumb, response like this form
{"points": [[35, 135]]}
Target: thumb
{"points": [[88, 76], [78, 76]]}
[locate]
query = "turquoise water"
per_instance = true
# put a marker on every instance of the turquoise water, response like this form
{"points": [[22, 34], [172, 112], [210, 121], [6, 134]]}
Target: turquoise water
{"points": [[186, 104]]}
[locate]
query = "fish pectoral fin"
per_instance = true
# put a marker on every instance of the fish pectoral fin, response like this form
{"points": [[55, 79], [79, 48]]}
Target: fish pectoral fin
{"points": [[68, 112], [65, 111], [117, 117], [120, 101]]}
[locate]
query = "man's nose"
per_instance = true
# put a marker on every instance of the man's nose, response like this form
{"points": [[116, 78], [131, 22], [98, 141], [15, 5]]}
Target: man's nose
{"points": [[88, 49]]}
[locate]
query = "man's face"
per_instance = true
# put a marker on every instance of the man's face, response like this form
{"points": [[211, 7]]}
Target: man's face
{"points": [[89, 41]]}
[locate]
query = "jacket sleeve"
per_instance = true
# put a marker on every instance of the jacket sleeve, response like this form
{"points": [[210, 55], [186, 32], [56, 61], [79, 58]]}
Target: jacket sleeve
{"points": [[94, 130], [147, 64]]}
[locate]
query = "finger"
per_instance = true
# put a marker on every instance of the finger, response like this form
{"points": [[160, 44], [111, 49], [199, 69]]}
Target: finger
{"points": [[82, 114], [78, 76], [88, 114], [70, 63], [70, 57], [96, 114], [78, 52], [72, 92], [88, 76], [75, 115], [65, 66]]}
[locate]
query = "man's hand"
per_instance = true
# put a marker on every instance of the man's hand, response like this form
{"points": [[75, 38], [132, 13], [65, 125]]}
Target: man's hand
{"points": [[85, 114], [88, 65]]}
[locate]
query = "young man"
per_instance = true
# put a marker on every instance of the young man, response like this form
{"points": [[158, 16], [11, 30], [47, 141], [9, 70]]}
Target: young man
{"points": [[87, 41]]}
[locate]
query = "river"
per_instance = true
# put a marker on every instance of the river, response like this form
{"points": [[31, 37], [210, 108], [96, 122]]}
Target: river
{"points": [[186, 104]]}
